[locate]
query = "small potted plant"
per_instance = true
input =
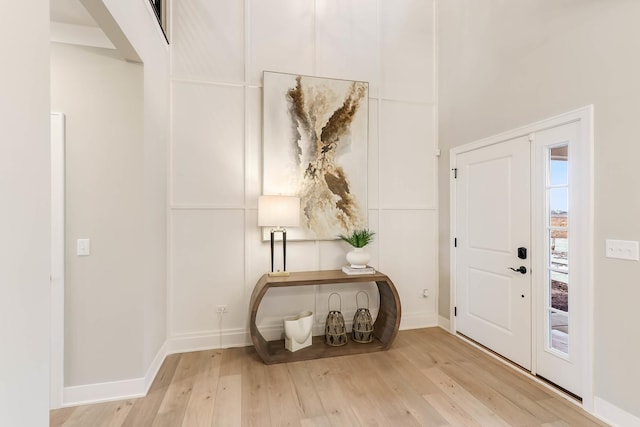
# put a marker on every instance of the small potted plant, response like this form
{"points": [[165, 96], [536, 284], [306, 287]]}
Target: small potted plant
{"points": [[358, 257]]}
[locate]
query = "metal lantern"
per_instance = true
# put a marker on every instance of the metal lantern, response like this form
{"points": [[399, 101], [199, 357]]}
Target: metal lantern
{"points": [[362, 330], [335, 330]]}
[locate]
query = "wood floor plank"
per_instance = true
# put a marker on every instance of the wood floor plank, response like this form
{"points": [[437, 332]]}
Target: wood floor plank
{"points": [[116, 413], [450, 411], [284, 410], [506, 409], [227, 410], [390, 405], [508, 384], [106, 414], [334, 402], [232, 361], [322, 421], [410, 371], [60, 416], [566, 412], [173, 406], [469, 403], [307, 398], [362, 402], [145, 410], [255, 402], [428, 377], [199, 411], [421, 410]]}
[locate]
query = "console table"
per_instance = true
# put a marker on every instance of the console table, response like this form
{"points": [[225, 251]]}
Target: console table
{"points": [[385, 327]]}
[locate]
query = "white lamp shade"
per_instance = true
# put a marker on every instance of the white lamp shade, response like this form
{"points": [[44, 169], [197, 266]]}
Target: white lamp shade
{"points": [[278, 211]]}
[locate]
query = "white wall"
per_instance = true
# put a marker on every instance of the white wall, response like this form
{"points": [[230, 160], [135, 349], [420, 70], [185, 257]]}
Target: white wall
{"points": [[102, 98], [25, 217], [219, 51], [507, 64]]}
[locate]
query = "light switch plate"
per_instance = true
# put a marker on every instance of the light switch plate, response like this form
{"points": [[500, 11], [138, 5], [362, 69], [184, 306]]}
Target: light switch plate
{"points": [[622, 249], [84, 247]]}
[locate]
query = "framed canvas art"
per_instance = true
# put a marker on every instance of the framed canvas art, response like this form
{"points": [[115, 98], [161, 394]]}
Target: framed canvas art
{"points": [[315, 147]]}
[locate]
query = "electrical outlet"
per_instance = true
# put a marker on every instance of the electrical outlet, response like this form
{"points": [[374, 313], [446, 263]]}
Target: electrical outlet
{"points": [[222, 309], [425, 293]]}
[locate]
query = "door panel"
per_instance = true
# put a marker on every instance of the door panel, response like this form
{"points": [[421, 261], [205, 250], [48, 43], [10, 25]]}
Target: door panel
{"points": [[492, 222]]}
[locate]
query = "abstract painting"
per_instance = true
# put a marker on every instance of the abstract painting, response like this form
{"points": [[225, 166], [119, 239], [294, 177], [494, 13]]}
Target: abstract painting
{"points": [[315, 147]]}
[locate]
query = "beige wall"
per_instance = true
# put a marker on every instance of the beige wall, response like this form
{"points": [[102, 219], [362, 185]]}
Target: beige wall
{"points": [[507, 64], [25, 214], [117, 314], [101, 97], [139, 24]]}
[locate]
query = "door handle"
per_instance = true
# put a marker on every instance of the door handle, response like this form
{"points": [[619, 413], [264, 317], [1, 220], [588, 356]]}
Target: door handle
{"points": [[522, 269]]}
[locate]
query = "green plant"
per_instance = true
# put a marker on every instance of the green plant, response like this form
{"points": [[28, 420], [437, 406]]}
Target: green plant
{"points": [[359, 238]]}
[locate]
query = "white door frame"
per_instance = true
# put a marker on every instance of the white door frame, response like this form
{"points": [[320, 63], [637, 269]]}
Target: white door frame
{"points": [[57, 259], [582, 259]]}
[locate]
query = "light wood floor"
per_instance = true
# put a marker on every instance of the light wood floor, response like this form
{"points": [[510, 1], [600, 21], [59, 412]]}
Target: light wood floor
{"points": [[428, 378]]}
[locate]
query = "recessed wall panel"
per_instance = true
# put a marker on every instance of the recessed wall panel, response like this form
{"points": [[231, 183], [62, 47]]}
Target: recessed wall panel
{"points": [[207, 269], [407, 50], [347, 41], [407, 156], [207, 40], [408, 256], [207, 146], [281, 37]]}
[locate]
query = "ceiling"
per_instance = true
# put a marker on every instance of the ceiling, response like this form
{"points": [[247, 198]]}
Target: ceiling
{"points": [[70, 12]]}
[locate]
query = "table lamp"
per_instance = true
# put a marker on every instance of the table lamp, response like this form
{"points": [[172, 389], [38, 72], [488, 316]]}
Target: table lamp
{"points": [[278, 212]]}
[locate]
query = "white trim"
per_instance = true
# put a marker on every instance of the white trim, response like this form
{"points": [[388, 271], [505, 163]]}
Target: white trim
{"points": [[103, 392], [115, 390], [154, 367], [208, 340], [585, 158], [444, 323], [418, 320], [56, 359], [613, 415]]}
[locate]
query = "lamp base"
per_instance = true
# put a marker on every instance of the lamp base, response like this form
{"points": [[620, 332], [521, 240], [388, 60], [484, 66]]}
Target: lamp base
{"points": [[279, 273]]}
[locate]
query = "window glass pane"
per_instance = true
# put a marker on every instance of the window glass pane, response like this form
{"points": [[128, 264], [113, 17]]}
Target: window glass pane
{"points": [[559, 336], [559, 249], [559, 290], [558, 207], [558, 173]]}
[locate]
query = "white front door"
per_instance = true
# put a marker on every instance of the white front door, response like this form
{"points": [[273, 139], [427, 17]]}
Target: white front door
{"points": [[492, 221]]}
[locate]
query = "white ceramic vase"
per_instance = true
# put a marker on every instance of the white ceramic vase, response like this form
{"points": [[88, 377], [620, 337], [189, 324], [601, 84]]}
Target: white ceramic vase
{"points": [[297, 331], [358, 258]]}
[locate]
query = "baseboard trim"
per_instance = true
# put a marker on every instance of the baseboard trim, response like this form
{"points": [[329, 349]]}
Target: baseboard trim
{"points": [[613, 415], [103, 392], [114, 390], [156, 363], [208, 340], [418, 320], [444, 323]]}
